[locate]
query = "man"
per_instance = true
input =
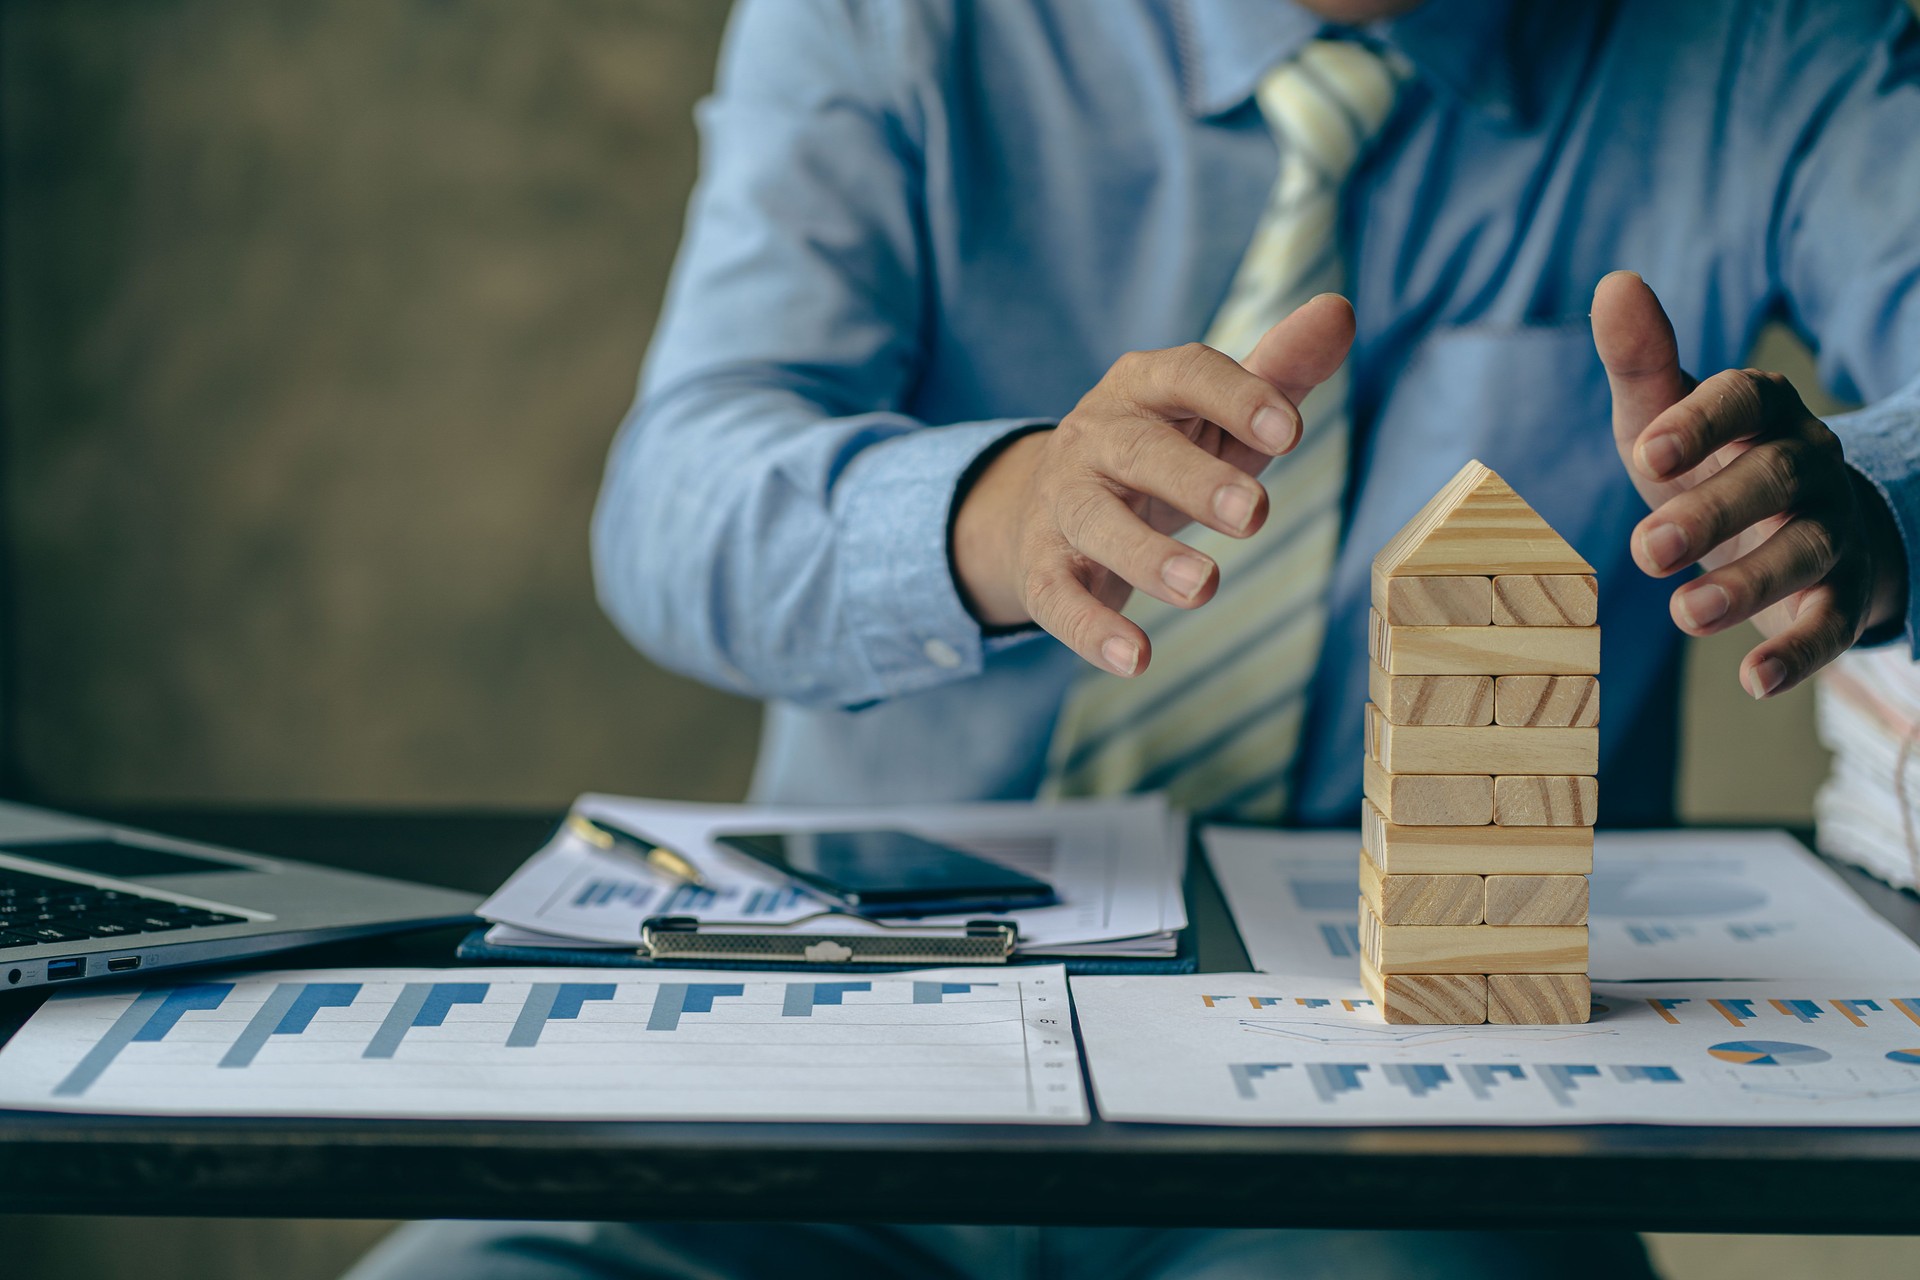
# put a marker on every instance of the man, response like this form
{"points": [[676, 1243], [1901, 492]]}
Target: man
{"points": [[928, 391]]}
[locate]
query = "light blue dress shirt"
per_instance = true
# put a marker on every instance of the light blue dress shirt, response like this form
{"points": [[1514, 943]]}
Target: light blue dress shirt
{"points": [[924, 224]]}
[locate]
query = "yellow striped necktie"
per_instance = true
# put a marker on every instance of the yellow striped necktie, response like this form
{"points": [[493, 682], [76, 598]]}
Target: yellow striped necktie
{"points": [[1215, 719]]}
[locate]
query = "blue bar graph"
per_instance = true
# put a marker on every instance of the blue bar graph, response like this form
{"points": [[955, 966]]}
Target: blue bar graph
{"points": [[1342, 940], [610, 893], [287, 1011], [1804, 1010], [688, 898], [676, 998], [551, 1002], [1244, 1074], [148, 1018], [1649, 1075], [1648, 935], [1311, 1002], [1331, 1079], [935, 992], [1755, 932], [803, 997], [1563, 1080], [1417, 1078], [420, 1004], [1481, 1078]]}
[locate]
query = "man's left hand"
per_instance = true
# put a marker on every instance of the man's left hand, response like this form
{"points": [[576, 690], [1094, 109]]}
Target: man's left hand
{"points": [[1747, 483]]}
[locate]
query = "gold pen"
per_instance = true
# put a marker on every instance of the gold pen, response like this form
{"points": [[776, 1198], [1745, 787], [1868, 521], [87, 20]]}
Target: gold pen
{"points": [[602, 834]]}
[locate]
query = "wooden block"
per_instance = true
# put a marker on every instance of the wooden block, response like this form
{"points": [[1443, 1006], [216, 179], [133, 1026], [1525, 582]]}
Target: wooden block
{"points": [[1483, 651], [1471, 948], [1452, 601], [1543, 702], [1430, 800], [1457, 899], [1428, 749], [1427, 999], [1522, 801], [1543, 600], [1475, 522], [1454, 700], [1538, 999], [1410, 850], [1513, 900]]}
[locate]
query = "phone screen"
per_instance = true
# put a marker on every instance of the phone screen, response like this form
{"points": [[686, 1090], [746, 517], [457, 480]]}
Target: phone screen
{"points": [[878, 872]]}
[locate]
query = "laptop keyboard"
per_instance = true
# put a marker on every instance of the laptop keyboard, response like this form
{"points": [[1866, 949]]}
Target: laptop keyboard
{"points": [[36, 909]]}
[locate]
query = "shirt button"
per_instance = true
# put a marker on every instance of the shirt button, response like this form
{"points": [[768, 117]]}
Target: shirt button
{"points": [[942, 654]]}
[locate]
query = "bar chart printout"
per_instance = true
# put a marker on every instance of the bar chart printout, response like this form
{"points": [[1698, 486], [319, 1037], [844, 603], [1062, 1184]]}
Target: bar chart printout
{"points": [[938, 1045], [1272, 1049]]}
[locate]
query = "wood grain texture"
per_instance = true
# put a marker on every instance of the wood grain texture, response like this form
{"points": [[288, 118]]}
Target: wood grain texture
{"points": [[1414, 850], [1523, 801], [1453, 600], [1477, 523], [1544, 600], [1429, 800], [1546, 702], [1438, 749], [1539, 999], [1445, 700], [1449, 899], [1516, 900], [1483, 651], [1472, 948], [1427, 999]]}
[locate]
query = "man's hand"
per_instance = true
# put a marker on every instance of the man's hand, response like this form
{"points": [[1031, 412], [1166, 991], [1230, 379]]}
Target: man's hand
{"points": [[1066, 524], [1745, 482]]}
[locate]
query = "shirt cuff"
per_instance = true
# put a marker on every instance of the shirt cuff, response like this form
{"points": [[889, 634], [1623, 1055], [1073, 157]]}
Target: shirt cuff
{"points": [[1882, 443], [909, 623]]}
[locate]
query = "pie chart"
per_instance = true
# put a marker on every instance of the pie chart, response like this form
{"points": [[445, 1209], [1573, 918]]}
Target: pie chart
{"points": [[1768, 1053], [1909, 1056]]}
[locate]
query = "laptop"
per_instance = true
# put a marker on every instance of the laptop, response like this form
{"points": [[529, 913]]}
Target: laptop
{"points": [[83, 900]]}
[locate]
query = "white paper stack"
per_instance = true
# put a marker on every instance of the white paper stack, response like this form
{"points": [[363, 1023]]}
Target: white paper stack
{"points": [[1868, 812], [1116, 865]]}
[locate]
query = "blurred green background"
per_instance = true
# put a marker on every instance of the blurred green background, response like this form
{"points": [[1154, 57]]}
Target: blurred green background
{"points": [[318, 319]]}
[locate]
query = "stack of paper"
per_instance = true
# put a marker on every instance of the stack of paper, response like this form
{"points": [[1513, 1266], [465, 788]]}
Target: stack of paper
{"points": [[1116, 866], [1868, 812]]}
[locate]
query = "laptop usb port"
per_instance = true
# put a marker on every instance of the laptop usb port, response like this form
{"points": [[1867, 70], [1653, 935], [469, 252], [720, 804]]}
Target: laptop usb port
{"points": [[123, 964], [58, 969]]}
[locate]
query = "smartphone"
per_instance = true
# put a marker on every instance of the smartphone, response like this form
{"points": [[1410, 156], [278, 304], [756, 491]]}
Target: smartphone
{"points": [[891, 873]]}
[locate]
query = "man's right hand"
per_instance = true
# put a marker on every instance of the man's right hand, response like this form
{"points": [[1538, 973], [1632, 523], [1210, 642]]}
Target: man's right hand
{"points": [[1066, 524]]}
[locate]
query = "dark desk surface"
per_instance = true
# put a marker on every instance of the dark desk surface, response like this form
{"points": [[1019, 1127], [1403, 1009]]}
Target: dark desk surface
{"points": [[1647, 1178]]}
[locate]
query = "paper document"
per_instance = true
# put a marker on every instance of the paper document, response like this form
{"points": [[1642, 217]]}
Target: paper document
{"points": [[933, 1045], [1868, 711], [1267, 1049], [1663, 905], [1116, 866]]}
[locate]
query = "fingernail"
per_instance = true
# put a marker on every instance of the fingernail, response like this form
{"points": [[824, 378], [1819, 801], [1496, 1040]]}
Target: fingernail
{"points": [[1122, 656], [1766, 677], [1275, 430], [1233, 504], [1704, 605], [1185, 575], [1665, 545], [1660, 456]]}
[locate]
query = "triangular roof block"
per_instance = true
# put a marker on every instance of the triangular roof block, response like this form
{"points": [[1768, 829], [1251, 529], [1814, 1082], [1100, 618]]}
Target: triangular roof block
{"points": [[1477, 525]]}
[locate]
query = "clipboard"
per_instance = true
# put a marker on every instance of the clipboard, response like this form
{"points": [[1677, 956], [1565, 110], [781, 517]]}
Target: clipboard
{"points": [[686, 938], [475, 948]]}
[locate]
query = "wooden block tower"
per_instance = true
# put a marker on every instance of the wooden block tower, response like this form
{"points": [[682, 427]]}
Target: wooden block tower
{"points": [[1482, 745]]}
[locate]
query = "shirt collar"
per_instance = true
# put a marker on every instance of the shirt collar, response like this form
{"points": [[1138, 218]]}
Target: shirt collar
{"points": [[1467, 49]]}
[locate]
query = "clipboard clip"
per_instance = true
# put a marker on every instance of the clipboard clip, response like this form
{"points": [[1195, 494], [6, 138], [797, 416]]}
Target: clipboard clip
{"points": [[873, 942]]}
